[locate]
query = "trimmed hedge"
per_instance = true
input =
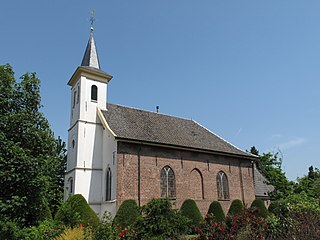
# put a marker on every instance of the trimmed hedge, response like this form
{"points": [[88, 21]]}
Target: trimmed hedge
{"points": [[236, 208], [216, 210], [127, 213], [190, 210], [76, 210], [259, 208]]}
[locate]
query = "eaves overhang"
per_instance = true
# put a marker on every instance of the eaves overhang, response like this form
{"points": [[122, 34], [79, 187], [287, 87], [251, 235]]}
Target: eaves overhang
{"points": [[91, 73], [249, 157]]}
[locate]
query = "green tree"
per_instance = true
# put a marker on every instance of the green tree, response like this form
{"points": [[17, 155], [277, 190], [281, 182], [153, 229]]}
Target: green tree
{"points": [[28, 150], [309, 184], [270, 166]]}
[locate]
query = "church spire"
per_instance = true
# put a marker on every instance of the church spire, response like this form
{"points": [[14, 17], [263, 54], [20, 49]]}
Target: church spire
{"points": [[90, 58]]}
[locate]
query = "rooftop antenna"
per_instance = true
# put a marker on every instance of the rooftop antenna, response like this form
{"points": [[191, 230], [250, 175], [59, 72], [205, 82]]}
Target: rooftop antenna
{"points": [[92, 19], [157, 107]]}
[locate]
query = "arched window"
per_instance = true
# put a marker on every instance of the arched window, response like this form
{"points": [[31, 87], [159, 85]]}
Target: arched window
{"points": [[222, 186], [70, 185], [167, 183], [108, 184], [94, 93]]}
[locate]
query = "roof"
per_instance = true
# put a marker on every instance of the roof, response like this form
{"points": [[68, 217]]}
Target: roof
{"points": [[150, 127], [260, 184], [90, 57]]}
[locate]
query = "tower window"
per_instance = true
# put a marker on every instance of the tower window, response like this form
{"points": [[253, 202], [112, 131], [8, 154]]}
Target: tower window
{"points": [[94, 93], [74, 98], [167, 183], [108, 184], [70, 183], [78, 97], [222, 186]]}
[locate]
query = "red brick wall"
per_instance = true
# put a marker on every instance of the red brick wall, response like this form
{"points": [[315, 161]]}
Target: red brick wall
{"points": [[195, 175]]}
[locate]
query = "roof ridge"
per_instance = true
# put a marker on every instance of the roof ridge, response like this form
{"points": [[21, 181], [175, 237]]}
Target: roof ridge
{"points": [[149, 111]]}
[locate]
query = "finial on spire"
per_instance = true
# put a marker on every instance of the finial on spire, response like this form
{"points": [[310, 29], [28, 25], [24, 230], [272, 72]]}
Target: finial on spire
{"points": [[92, 19]]}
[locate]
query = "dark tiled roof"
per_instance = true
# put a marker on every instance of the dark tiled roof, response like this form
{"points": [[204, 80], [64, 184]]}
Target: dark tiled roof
{"points": [[139, 125], [260, 184]]}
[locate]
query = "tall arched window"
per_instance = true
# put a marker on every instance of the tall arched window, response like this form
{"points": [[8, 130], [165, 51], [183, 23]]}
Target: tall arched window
{"points": [[222, 186], [94, 93], [108, 184], [167, 183]]}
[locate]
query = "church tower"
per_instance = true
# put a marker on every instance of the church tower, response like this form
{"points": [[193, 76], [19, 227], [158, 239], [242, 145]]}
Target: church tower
{"points": [[86, 162]]}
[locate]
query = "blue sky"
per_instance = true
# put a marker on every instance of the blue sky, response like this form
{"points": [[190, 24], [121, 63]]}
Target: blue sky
{"points": [[248, 70]]}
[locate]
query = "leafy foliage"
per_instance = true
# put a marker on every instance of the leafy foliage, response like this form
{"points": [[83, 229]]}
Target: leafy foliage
{"points": [[309, 184], [76, 211], [270, 165], [161, 221], [259, 208], [28, 151], [216, 211], [104, 231], [244, 226], [8, 230], [127, 213], [190, 210], [236, 207]]}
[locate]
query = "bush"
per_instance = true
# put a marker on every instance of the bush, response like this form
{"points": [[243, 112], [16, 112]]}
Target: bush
{"points": [[104, 231], [8, 230], [45, 214], [75, 211], [127, 214], [72, 233], [236, 208], [245, 226], [259, 208], [160, 221], [190, 210], [216, 210]]}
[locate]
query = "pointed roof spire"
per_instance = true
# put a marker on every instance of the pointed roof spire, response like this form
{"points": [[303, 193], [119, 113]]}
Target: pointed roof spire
{"points": [[90, 58]]}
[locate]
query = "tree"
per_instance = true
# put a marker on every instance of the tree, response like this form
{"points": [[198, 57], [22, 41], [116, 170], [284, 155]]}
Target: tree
{"points": [[270, 166], [29, 161], [309, 184]]}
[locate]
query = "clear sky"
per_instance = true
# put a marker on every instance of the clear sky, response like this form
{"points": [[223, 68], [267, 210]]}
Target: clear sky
{"points": [[247, 70]]}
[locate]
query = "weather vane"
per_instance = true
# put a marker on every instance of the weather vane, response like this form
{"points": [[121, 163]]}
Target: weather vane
{"points": [[92, 19]]}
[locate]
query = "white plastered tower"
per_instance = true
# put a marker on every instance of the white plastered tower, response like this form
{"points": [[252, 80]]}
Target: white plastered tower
{"points": [[91, 164]]}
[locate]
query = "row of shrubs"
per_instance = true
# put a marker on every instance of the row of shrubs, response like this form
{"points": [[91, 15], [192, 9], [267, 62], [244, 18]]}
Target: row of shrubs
{"points": [[156, 220]]}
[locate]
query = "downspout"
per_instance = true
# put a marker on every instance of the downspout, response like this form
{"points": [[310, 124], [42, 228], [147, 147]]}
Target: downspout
{"points": [[253, 176], [241, 182], [139, 190]]}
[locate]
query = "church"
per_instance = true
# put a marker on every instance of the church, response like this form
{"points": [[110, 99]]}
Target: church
{"points": [[117, 152]]}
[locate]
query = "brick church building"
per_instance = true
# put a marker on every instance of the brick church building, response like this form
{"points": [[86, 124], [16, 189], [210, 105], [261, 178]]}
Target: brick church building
{"points": [[117, 153]]}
